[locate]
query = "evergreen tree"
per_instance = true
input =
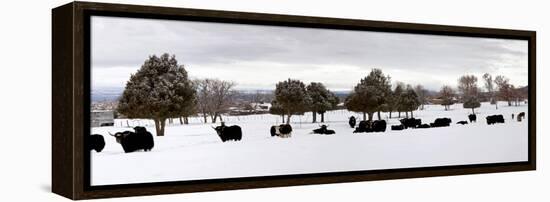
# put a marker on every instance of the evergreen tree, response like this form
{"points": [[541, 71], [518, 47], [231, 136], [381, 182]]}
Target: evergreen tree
{"points": [[370, 94], [409, 101], [322, 100], [395, 100], [293, 98], [277, 109], [159, 90]]}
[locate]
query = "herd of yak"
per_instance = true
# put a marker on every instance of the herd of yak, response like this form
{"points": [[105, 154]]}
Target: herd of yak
{"points": [[141, 139]]}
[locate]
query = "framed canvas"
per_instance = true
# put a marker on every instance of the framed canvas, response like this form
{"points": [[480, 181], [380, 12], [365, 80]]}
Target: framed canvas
{"points": [[156, 100]]}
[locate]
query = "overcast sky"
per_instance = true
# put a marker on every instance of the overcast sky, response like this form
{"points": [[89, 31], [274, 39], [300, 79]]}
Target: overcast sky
{"points": [[257, 57]]}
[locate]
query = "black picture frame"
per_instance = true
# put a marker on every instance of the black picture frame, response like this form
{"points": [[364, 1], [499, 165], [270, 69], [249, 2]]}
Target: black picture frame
{"points": [[71, 99]]}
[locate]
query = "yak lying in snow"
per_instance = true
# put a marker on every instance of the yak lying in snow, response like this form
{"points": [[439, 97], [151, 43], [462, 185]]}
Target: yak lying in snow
{"points": [[141, 139], [441, 122], [472, 118], [397, 127], [462, 122], [95, 142], [229, 132], [495, 119], [424, 126], [521, 116], [368, 126], [352, 121], [323, 130], [283, 130], [410, 122]]}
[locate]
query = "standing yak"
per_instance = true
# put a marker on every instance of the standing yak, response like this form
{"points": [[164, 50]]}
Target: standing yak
{"points": [[141, 139], [229, 132], [472, 118]]}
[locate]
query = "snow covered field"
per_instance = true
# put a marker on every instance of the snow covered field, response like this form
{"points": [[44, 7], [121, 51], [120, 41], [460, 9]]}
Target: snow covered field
{"points": [[194, 151]]}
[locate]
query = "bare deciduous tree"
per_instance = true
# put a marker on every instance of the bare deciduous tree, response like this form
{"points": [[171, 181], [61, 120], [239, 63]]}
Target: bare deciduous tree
{"points": [[504, 89], [489, 86], [446, 94]]}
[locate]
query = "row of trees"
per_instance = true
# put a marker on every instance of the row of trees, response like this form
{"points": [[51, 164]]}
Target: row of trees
{"points": [[374, 94], [161, 89], [497, 89], [294, 97]]}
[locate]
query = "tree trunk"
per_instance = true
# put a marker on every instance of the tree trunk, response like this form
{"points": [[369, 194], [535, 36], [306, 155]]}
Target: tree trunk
{"points": [[181, 121], [390, 114], [314, 117], [399, 114], [412, 116], [496, 104], [473, 111], [220, 116], [160, 124], [323, 117], [509, 103], [406, 114], [364, 116], [186, 120], [205, 118], [283, 118], [379, 115], [170, 121], [370, 116]]}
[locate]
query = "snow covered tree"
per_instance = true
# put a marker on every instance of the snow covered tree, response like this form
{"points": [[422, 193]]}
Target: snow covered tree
{"points": [[490, 87], [467, 86], [446, 95], [370, 94], [292, 96], [159, 90], [322, 100]]}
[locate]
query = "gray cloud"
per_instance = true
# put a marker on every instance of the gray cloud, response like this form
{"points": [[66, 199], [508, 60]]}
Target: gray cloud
{"points": [[264, 55]]}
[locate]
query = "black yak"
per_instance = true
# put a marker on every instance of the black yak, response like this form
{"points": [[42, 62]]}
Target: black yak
{"points": [[95, 142], [441, 122], [141, 139], [397, 127], [229, 132], [521, 116], [352, 121], [283, 130], [495, 119], [472, 118], [410, 122], [424, 126], [323, 130], [368, 126], [462, 122]]}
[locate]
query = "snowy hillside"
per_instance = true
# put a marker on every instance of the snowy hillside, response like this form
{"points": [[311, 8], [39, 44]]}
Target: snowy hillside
{"points": [[194, 151]]}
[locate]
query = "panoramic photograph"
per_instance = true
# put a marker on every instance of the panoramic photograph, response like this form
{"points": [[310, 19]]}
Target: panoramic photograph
{"points": [[184, 100]]}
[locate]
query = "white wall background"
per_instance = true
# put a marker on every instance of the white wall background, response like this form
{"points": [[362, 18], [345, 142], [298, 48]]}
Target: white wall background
{"points": [[25, 94]]}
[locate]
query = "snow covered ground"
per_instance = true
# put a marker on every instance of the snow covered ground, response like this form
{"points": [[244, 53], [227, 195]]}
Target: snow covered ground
{"points": [[194, 151]]}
